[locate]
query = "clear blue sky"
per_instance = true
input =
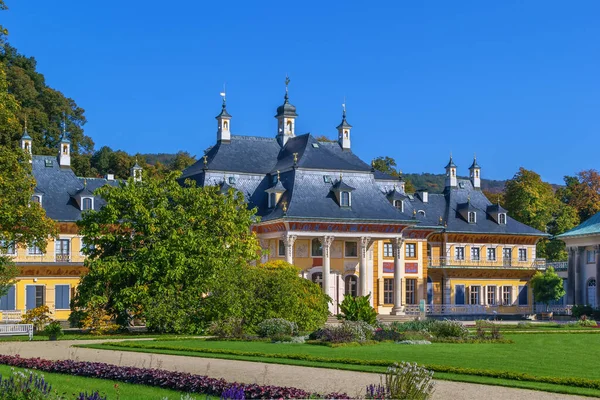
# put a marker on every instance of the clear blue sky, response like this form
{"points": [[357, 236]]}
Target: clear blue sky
{"points": [[517, 82]]}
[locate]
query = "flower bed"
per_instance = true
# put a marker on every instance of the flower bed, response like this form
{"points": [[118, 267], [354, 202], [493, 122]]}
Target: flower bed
{"points": [[180, 381]]}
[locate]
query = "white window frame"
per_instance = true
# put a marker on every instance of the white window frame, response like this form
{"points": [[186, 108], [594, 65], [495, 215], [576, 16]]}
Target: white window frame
{"points": [[407, 253], [13, 246], [475, 249], [38, 197], [272, 199], [491, 250], [311, 248], [34, 253], [521, 252], [502, 218], [69, 253], [492, 289], [346, 254], [591, 256], [342, 199], [388, 250], [83, 202], [472, 214], [399, 203], [457, 250], [476, 292], [507, 292]]}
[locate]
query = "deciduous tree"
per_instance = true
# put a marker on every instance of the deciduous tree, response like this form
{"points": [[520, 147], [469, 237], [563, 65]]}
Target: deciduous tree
{"points": [[547, 286], [582, 192]]}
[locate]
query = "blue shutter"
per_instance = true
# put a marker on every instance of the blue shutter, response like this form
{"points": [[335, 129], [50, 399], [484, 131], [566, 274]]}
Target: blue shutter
{"points": [[30, 297], [459, 294], [7, 302], [61, 297], [523, 295]]}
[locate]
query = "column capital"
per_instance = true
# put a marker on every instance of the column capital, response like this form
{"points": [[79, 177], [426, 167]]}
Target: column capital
{"points": [[289, 239], [326, 241]]}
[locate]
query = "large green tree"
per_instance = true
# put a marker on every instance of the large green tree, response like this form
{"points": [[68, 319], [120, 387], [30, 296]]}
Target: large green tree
{"points": [[388, 165], [547, 286], [582, 192], [157, 243]]}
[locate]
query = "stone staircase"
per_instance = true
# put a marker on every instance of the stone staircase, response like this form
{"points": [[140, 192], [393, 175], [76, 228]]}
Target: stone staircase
{"points": [[386, 318]]}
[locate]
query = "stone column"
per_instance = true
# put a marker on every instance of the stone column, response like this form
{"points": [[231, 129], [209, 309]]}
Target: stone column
{"points": [[571, 299], [326, 245], [364, 244], [580, 276], [398, 275], [597, 250], [289, 247]]}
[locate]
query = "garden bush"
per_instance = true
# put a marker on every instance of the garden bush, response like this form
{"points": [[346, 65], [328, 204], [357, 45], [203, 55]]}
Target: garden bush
{"points": [[39, 317], [404, 381], [348, 331], [416, 325], [357, 308], [483, 327], [387, 333], [28, 385], [587, 323], [227, 328], [579, 311], [277, 327], [53, 330], [448, 329], [179, 381], [97, 319]]}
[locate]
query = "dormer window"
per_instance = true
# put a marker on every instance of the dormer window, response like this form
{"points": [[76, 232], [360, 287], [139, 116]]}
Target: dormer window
{"points": [[345, 199], [502, 219], [421, 213], [399, 204], [87, 203], [272, 200], [472, 217]]}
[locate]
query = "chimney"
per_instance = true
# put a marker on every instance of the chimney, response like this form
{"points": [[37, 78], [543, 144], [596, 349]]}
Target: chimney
{"points": [[110, 177], [424, 197]]}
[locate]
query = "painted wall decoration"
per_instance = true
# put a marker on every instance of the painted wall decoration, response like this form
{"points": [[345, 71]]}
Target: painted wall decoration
{"points": [[388, 267], [301, 248], [336, 249], [365, 228], [411, 268], [351, 266]]}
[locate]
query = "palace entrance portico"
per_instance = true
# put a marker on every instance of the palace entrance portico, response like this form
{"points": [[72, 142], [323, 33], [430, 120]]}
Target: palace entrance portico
{"points": [[336, 255]]}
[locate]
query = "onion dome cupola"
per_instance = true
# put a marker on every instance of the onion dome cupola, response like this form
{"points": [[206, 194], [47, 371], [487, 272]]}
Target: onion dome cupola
{"points": [[224, 123], [475, 173], [344, 131], [451, 179], [286, 118], [136, 172]]}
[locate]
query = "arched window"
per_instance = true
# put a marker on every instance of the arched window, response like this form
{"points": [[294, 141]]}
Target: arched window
{"points": [[289, 126], [345, 199], [453, 172], [351, 286], [36, 199], [316, 249], [26, 145], [591, 292], [65, 149], [502, 219], [421, 212], [472, 217], [225, 125], [86, 203], [317, 277]]}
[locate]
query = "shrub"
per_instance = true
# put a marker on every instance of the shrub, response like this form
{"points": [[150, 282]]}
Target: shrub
{"points": [[227, 328], [587, 323], [358, 308], [403, 381], [179, 381], [281, 338], [580, 310], [524, 324], [53, 329], [38, 316], [382, 334], [483, 326], [348, 331], [416, 325], [447, 329], [277, 327], [414, 342], [97, 319]]}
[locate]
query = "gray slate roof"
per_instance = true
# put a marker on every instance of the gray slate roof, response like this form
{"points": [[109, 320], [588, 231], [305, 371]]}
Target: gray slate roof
{"points": [[58, 186]]}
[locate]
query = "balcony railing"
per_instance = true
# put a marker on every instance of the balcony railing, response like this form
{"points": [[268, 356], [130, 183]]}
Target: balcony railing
{"points": [[558, 265], [452, 262], [63, 257], [476, 309]]}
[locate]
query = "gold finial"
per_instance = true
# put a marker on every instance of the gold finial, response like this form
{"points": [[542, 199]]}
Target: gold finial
{"points": [[284, 206], [205, 158], [440, 220], [278, 178], [295, 158], [341, 176], [84, 182], [414, 213]]}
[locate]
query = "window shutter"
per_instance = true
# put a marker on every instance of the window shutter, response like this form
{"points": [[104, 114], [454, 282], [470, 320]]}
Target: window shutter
{"points": [[61, 299], [7, 302], [523, 295], [30, 297], [459, 294]]}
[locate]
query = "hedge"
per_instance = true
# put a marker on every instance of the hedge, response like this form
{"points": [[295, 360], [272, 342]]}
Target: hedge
{"points": [[519, 376]]}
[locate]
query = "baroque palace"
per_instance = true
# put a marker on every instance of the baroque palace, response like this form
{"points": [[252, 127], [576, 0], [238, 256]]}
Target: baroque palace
{"points": [[349, 228]]}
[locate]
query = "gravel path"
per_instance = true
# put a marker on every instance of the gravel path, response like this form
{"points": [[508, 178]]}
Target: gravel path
{"points": [[314, 379]]}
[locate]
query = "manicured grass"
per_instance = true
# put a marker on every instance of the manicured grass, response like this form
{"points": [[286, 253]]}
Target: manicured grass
{"points": [[70, 386], [545, 355], [87, 336]]}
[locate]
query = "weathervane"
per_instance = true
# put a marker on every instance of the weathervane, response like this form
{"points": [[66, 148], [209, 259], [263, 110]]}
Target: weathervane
{"points": [[223, 95]]}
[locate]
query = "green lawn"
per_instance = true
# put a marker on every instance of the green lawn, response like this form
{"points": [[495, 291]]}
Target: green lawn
{"points": [[544, 355], [87, 336], [70, 386]]}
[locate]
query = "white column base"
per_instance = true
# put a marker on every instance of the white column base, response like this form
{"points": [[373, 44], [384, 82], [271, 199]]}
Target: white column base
{"points": [[398, 311]]}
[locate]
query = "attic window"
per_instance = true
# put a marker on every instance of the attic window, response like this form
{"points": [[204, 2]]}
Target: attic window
{"points": [[48, 163], [399, 204], [232, 180], [472, 217], [315, 145], [327, 178], [421, 212], [502, 218], [345, 199], [411, 197], [87, 203]]}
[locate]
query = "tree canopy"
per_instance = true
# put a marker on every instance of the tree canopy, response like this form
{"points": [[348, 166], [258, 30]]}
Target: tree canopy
{"points": [[388, 165], [547, 286], [160, 244]]}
